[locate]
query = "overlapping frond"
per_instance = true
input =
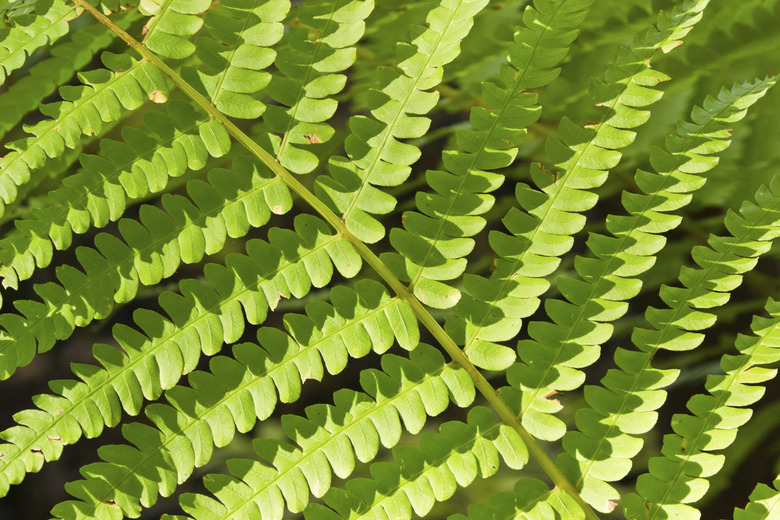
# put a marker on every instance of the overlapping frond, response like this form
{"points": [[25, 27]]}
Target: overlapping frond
{"points": [[625, 406], [375, 155], [713, 425], [170, 142], [125, 84], [737, 34], [44, 24], [235, 52], [148, 252], [44, 77], [421, 476], [333, 436], [529, 500], [206, 315], [435, 240], [308, 77], [250, 383], [492, 309], [552, 359]]}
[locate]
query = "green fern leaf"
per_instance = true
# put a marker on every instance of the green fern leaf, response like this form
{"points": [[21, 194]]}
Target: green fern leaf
{"points": [[424, 110], [354, 422], [204, 318], [419, 477], [716, 418], [199, 419], [492, 309], [376, 157], [530, 498], [552, 358], [241, 33], [630, 395], [151, 251], [680, 477], [44, 24], [171, 24], [434, 241], [691, 149], [67, 57], [171, 142], [84, 111], [309, 77]]}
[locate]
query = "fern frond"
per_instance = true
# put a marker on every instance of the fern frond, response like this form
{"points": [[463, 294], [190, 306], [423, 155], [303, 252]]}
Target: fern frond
{"points": [[420, 477], [201, 319], [85, 110], [162, 192], [327, 439], [149, 252], [530, 499], [376, 157], [308, 78], [551, 360], [331, 438], [44, 24], [171, 25], [27, 202], [168, 144], [625, 406], [237, 49], [715, 420], [435, 239], [67, 57], [248, 385], [482, 58], [389, 23], [764, 503], [492, 309], [680, 477]]}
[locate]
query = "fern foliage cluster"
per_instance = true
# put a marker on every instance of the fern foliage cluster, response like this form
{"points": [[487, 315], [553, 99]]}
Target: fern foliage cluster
{"points": [[326, 259]]}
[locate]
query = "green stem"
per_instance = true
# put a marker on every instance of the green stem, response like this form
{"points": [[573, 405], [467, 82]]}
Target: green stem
{"points": [[484, 387]]}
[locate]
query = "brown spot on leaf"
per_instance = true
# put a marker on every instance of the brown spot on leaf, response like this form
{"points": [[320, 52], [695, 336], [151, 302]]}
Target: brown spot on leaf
{"points": [[275, 303], [670, 47], [158, 97], [312, 138]]}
